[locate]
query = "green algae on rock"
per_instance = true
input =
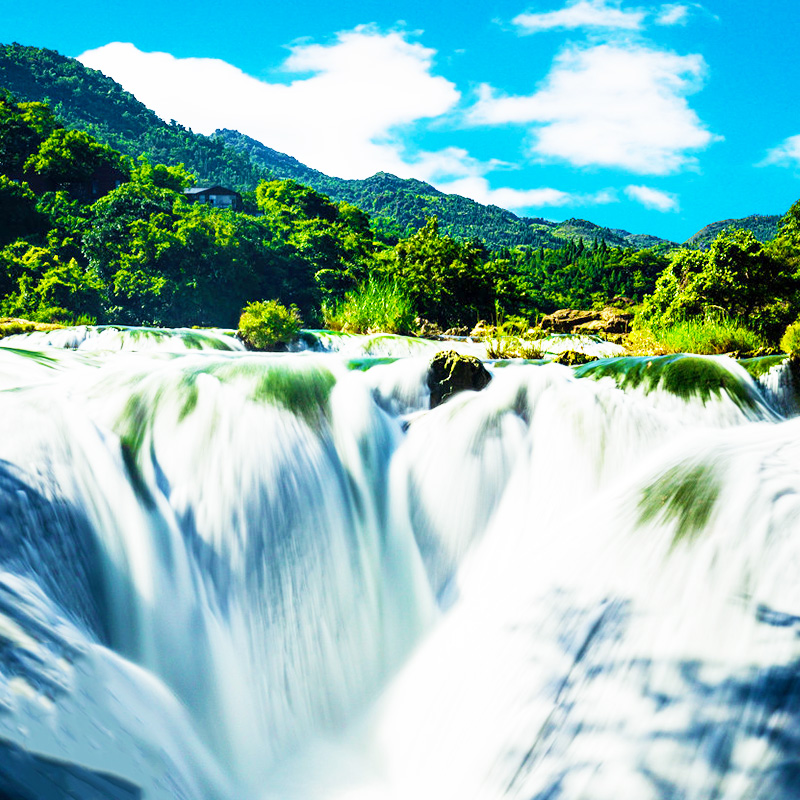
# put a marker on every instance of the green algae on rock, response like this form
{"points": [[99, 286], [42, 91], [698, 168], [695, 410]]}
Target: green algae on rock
{"points": [[685, 376]]}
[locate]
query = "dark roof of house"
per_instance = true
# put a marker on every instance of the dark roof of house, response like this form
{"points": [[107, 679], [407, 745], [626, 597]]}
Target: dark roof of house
{"points": [[209, 190]]}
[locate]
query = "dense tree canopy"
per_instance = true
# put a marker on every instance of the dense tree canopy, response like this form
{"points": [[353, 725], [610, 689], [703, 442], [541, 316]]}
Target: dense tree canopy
{"points": [[737, 276], [144, 254]]}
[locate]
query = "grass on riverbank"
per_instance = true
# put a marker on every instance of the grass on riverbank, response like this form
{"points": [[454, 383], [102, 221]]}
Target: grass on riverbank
{"points": [[374, 307], [706, 336], [13, 325]]}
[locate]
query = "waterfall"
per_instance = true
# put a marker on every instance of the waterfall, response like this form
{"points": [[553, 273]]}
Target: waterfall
{"points": [[231, 575]]}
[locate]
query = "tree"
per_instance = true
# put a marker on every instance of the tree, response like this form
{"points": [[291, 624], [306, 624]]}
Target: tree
{"points": [[736, 276], [447, 281], [18, 215], [40, 285], [176, 178], [23, 127], [68, 157]]}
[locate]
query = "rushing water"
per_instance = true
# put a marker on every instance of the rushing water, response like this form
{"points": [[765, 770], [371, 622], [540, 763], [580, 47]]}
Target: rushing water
{"points": [[236, 576]]}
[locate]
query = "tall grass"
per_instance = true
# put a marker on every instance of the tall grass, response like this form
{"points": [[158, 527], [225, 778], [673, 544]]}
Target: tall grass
{"points": [[507, 346], [12, 325], [374, 307], [704, 336]]}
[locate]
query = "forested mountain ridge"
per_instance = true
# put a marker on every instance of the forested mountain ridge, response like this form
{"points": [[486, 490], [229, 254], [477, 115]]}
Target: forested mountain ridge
{"points": [[763, 227], [85, 99], [403, 204]]}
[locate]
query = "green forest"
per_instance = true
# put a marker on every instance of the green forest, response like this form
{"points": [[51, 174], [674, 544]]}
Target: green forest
{"points": [[141, 253], [86, 100]]}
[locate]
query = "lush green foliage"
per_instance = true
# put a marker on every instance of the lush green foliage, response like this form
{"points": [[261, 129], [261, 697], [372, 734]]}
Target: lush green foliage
{"points": [[267, 323], [87, 100], [583, 276], [374, 306], [790, 341], [143, 254], [737, 275], [703, 336], [67, 157], [18, 214]]}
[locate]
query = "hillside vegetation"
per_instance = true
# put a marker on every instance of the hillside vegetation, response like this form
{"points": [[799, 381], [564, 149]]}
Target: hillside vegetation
{"points": [[87, 100], [401, 206], [763, 227], [139, 252], [143, 254]]}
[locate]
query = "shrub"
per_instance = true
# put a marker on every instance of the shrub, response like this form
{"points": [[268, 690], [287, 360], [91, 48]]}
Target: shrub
{"points": [[790, 342], [374, 307], [266, 323]]}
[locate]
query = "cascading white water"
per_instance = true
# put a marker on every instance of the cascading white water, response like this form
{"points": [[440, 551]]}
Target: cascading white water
{"points": [[230, 575]]}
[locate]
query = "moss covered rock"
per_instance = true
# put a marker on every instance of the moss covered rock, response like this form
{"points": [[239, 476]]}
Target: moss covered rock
{"points": [[451, 372], [573, 358]]}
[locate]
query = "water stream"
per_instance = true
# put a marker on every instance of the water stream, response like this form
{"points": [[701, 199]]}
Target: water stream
{"points": [[236, 576]]}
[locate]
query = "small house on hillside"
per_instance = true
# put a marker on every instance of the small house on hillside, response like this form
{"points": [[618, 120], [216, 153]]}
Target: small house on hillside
{"points": [[216, 196]]}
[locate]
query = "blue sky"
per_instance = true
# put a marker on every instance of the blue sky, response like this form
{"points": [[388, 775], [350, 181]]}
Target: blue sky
{"points": [[657, 118]]}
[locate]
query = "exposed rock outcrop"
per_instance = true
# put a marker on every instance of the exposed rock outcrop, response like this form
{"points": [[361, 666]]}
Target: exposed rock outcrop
{"points": [[569, 320], [451, 372]]}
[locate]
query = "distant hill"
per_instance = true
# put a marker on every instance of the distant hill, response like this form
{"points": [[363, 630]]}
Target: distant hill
{"points": [[88, 100], [403, 204], [764, 228]]}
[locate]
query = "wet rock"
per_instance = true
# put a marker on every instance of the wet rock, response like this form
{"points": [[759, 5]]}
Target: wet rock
{"points": [[426, 329], [572, 358], [482, 330], [451, 372], [565, 319], [460, 331]]}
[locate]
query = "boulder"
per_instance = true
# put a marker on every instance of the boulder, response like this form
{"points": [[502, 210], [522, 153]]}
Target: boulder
{"points": [[566, 319], [606, 321], [460, 331], [451, 372]]}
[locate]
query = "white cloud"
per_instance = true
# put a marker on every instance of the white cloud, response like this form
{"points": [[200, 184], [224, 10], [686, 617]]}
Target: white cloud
{"points": [[672, 14], [478, 188], [652, 198], [342, 119], [786, 154], [581, 14], [618, 106]]}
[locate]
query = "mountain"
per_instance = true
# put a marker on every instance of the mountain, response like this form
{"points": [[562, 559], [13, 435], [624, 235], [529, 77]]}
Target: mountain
{"points": [[403, 204], [764, 228], [88, 100]]}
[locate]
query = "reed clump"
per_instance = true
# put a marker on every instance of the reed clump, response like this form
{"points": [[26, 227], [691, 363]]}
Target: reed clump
{"points": [[376, 306], [513, 338], [10, 326]]}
